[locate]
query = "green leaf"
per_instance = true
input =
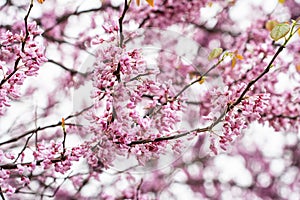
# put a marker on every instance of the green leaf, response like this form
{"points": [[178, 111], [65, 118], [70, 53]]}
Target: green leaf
{"points": [[279, 31], [215, 53]]}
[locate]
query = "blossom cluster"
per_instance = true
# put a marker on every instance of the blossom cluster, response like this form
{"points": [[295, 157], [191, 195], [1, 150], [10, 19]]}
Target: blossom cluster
{"points": [[54, 154], [237, 118], [5, 174], [22, 57], [138, 105], [143, 107], [164, 10]]}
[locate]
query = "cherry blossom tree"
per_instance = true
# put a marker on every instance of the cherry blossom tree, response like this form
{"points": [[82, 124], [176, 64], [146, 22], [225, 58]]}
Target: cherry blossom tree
{"points": [[154, 99]]}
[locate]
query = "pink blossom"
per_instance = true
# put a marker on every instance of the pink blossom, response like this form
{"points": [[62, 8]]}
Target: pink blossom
{"points": [[154, 96], [32, 57]]}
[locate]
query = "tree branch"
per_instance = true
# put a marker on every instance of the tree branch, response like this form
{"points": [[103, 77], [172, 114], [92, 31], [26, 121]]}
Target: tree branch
{"points": [[45, 127], [4, 80]]}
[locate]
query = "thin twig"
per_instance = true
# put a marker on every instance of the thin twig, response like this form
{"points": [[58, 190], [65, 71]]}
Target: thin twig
{"points": [[126, 7], [117, 73], [138, 190], [72, 71], [65, 136], [171, 137], [246, 90], [1, 194], [38, 163], [67, 16], [35, 131], [220, 118], [45, 127], [201, 77], [24, 147], [4, 80]]}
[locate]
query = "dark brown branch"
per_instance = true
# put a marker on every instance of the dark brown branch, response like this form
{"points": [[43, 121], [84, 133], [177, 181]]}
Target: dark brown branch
{"points": [[242, 96], [45, 187], [267, 69], [1, 194], [45, 127], [84, 183], [64, 139], [229, 107], [24, 147], [117, 73], [201, 77], [287, 117], [79, 113], [171, 137], [38, 163], [138, 189], [33, 131], [26, 25], [126, 7], [72, 71], [4, 80], [198, 79], [67, 16]]}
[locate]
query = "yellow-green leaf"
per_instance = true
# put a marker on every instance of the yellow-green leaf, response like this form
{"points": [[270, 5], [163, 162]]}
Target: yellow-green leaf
{"points": [[210, 4], [298, 67], [150, 2], [271, 24], [233, 62], [215, 53], [202, 80], [137, 2], [63, 123], [239, 56], [279, 31]]}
